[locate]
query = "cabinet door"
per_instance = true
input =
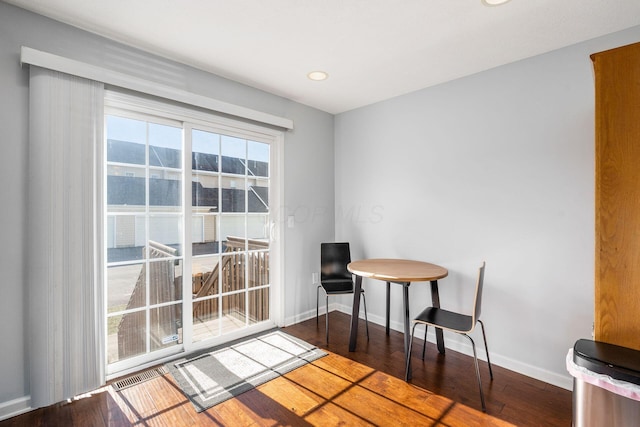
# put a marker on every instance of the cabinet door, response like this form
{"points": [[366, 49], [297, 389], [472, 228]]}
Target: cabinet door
{"points": [[617, 276]]}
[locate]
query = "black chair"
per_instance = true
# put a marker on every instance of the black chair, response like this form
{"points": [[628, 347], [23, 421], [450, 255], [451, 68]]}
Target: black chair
{"points": [[454, 322], [335, 279]]}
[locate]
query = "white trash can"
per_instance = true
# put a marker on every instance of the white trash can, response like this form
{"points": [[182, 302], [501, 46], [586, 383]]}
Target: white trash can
{"points": [[606, 384]]}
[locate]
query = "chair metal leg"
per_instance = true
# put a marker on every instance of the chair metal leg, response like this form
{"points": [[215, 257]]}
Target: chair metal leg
{"points": [[424, 343], [366, 319], [407, 371], [475, 358], [327, 320], [317, 304], [486, 348]]}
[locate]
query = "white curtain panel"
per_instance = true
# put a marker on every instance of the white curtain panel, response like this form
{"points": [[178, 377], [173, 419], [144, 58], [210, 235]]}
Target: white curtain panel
{"points": [[64, 262]]}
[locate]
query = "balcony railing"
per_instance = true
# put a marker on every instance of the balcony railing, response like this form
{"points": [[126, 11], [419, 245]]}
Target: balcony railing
{"points": [[243, 265]]}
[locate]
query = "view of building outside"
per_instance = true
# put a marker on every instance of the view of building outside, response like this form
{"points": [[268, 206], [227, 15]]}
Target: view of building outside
{"points": [[146, 217]]}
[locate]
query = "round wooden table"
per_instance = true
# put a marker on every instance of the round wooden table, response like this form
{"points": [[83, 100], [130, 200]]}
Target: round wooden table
{"points": [[400, 271]]}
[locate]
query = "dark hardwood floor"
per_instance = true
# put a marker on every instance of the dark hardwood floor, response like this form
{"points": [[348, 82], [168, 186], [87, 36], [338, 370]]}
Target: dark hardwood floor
{"points": [[364, 387], [512, 397]]}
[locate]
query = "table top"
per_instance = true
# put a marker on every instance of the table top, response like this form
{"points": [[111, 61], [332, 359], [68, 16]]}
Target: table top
{"points": [[397, 270]]}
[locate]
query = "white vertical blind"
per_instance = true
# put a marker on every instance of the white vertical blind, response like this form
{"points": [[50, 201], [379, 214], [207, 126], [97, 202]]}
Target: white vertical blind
{"points": [[65, 254]]}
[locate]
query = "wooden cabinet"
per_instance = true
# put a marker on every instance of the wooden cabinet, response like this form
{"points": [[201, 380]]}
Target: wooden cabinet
{"points": [[617, 275]]}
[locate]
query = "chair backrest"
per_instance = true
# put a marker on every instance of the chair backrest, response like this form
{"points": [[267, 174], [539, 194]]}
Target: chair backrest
{"points": [[334, 258], [478, 298]]}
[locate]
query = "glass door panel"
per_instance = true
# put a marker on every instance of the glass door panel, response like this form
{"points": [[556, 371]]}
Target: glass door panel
{"points": [[145, 238], [230, 206]]}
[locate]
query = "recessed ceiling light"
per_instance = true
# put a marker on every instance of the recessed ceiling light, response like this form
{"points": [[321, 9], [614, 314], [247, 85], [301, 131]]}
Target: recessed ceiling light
{"points": [[494, 2], [318, 75]]}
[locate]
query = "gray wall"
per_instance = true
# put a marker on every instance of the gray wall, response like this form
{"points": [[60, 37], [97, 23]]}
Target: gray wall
{"points": [[308, 170], [498, 166]]}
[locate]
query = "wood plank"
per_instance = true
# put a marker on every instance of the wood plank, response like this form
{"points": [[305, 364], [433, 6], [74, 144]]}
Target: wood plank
{"points": [[115, 410], [172, 406], [375, 407]]}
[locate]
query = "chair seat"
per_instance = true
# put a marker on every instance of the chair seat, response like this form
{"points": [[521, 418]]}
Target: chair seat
{"points": [[446, 319], [337, 286]]}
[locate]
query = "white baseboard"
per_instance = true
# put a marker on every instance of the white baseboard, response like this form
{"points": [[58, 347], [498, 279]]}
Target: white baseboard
{"points": [[562, 381], [553, 378], [15, 407], [311, 314]]}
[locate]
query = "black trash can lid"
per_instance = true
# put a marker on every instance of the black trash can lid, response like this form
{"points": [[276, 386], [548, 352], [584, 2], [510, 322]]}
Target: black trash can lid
{"points": [[618, 362]]}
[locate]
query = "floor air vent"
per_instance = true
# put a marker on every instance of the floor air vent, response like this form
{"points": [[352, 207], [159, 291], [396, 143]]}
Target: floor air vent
{"points": [[139, 378]]}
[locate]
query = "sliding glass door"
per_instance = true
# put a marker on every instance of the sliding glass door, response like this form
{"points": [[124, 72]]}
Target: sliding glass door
{"points": [[188, 233]]}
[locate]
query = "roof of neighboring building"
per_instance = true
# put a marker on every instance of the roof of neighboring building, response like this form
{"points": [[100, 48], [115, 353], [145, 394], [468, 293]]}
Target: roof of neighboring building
{"points": [[130, 190]]}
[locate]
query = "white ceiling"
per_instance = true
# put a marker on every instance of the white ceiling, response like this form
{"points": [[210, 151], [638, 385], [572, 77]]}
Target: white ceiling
{"points": [[372, 49]]}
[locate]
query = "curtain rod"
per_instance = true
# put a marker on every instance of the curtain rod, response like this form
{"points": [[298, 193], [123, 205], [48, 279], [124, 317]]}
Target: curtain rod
{"points": [[116, 78]]}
